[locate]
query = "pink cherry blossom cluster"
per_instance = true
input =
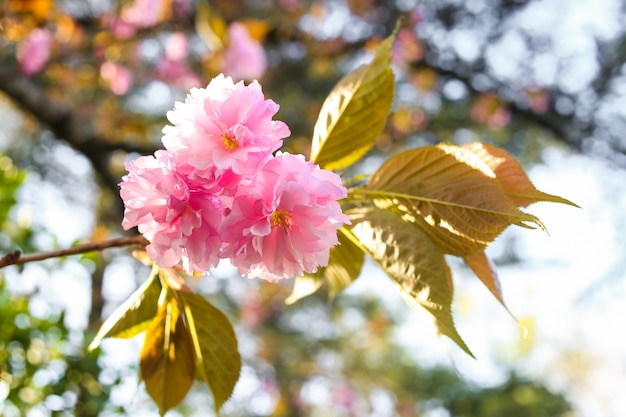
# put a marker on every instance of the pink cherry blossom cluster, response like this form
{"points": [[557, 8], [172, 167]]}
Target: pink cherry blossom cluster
{"points": [[33, 52], [217, 191], [244, 57]]}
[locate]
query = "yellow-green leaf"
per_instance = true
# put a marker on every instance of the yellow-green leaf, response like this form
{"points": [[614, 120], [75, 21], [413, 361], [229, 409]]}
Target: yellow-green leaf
{"points": [[215, 345], [133, 316], [168, 361], [346, 262], [10, 180], [355, 112], [344, 266], [512, 176], [305, 285], [412, 261], [210, 26], [450, 193], [485, 270]]}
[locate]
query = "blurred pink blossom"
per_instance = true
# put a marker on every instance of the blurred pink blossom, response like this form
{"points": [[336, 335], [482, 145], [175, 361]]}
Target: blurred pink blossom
{"points": [[120, 28], [143, 13], [179, 220], [285, 221], [118, 76], [178, 73], [182, 8], [176, 46], [244, 58], [538, 99], [290, 5], [345, 396], [172, 67], [407, 48], [34, 51], [225, 125]]}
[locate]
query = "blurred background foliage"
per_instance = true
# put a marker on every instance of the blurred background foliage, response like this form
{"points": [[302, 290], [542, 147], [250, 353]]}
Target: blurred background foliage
{"points": [[521, 74]]}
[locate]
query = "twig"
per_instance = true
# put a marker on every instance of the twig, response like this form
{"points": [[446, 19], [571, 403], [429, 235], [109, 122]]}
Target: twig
{"points": [[16, 258]]}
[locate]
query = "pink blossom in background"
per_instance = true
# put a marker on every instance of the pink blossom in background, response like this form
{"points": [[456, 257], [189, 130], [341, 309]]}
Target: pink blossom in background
{"points": [[290, 5], [34, 51], [538, 99], [182, 8], [407, 48], [121, 29], [285, 221], [173, 68], [119, 77], [244, 58], [143, 13], [176, 46], [225, 125], [177, 73], [118, 27], [179, 220]]}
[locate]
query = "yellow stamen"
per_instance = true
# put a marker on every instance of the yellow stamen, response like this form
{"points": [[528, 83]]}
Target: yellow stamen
{"points": [[281, 218], [230, 142]]}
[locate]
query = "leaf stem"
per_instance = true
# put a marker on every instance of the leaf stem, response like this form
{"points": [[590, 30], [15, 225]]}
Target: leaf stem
{"points": [[16, 257]]}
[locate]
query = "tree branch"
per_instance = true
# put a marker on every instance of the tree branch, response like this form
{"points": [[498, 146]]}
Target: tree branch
{"points": [[16, 258], [551, 121], [63, 123]]}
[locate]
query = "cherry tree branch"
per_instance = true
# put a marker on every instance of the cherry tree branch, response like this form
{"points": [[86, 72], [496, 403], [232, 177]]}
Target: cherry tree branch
{"points": [[16, 258], [62, 121]]}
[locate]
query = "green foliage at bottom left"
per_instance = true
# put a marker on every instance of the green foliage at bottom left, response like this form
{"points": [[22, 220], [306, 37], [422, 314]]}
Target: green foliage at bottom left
{"points": [[42, 369]]}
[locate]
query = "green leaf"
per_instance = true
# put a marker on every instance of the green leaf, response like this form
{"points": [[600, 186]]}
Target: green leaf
{"points": [[134, 315], [167, 360], [10, 180], [512, 176], [344, 266], [305, 285], [215, 345], [412, 261], [355, 112], [450, 193]]}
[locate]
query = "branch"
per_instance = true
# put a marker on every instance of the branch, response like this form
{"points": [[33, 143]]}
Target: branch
{"points": [[57, 118], [559, 126], [65, 125], [16, 258]]}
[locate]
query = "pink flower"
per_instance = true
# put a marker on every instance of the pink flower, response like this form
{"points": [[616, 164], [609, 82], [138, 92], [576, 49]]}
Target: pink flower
{"points": [[143, 13], [182, 9], [217, 192], [33, 53], [172, 67], [285, 221], [225, 125], [406, 49], [244, 58], [178, 73], [176, 46], [178, 218], [120, 28], [119, 77]]}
